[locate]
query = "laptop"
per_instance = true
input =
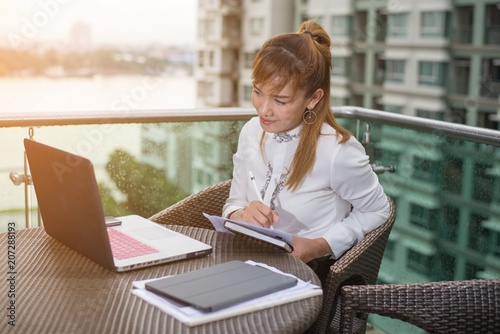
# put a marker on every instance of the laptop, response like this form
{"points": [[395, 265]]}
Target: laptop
{"points": [[72, 213]]}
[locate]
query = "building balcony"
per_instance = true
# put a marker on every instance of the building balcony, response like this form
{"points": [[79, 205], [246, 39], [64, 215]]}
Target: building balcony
{"points": [[443, 177]]}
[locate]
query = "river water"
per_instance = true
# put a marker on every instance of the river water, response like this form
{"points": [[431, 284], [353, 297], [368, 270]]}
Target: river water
{"points": [[79, 94]]}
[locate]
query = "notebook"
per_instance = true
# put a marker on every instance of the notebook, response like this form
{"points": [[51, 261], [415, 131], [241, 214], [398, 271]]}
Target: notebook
{"points": [[214, 288], [71, 210]]}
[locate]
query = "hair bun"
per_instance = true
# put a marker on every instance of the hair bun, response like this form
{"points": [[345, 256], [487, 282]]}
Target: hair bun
{"points": [[316, 31]]}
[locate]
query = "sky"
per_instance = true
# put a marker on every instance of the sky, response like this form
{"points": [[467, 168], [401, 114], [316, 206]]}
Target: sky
{"points": [[167, 22]]}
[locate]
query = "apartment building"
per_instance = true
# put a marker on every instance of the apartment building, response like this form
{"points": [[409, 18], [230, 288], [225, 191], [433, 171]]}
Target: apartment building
{"points": [[229, 34]]}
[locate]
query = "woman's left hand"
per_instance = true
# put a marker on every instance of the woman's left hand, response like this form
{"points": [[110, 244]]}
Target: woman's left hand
{"points": [[309, 249]]}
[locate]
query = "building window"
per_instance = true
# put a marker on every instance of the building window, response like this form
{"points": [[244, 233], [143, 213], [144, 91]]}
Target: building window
{"points": [[340, 66], [393, 108], [207, 151], [437, 115], [432, 73], [153, 148], [448, 229], [247, 93], [492, 24], [210, 89], [453, 174], [201, 89], [341, 26], [256, 26], [211, 57], [421, 263], [496, 245], [394, 70], [423, 217], [248, 59], [200, 59], [456, 115], [206, 89], [390, 250], [482, 183], [210, 29], [336, 101], [426, 170], [201, 29], [447, 265], [486, 119], [433, 24], [387, 157], [199, 177], [478, 235], [472, 270], [319, 20], [398, 25]]}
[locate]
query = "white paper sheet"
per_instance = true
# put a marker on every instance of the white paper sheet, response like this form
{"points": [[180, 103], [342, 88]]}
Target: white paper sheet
{"points": [[192, 316]]}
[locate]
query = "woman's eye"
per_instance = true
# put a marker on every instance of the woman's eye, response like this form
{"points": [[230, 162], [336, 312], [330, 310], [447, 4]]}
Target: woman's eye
{"points": [[279, 102]]}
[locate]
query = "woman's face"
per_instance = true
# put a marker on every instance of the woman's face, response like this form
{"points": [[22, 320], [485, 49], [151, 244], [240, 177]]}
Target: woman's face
{"points": [[279, 112]]}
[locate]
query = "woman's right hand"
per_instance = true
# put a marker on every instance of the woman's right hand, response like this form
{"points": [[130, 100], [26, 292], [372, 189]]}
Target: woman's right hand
{"points": [[256, 213]]}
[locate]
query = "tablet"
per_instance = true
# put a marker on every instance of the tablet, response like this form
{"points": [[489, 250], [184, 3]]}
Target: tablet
{"points": [[220, 286]]}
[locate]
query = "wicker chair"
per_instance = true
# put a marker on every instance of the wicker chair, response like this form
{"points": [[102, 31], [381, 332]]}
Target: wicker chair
{"points": [[188, 211], [471, 306], [359, 265]]}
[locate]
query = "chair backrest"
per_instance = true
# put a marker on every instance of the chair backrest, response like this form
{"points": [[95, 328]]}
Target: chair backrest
{"points": [[188, 211], [359, 265], [471, 306]]}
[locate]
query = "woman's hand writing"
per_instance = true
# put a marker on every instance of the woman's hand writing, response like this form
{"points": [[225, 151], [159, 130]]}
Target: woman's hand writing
{"points": [[256, 213]]}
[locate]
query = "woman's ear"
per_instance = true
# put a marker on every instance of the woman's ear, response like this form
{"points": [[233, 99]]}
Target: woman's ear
{"points": [[316, 97]]}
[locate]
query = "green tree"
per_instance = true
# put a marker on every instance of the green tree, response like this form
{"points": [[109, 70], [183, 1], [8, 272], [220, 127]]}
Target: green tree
{"points": [[145, 188]]}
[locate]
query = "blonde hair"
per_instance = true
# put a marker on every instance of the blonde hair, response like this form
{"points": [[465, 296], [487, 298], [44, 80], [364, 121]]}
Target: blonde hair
{"points": [[304, 59]]}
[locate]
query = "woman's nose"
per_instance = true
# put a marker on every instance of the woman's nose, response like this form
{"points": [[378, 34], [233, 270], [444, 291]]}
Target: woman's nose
{"points": [[265, 108]]}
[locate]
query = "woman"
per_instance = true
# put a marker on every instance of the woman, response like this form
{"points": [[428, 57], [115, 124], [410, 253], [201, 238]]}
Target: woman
{"points": [[313, 178]]}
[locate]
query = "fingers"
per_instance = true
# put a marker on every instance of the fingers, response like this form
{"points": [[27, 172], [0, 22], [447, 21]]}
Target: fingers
{"points": [[259, 214], [276, 217]]}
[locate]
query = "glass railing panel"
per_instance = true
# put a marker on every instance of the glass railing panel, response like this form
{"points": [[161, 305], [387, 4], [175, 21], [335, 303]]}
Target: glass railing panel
{"points": [[447, 194], [12, 197], [446, 190], [140, 168]]}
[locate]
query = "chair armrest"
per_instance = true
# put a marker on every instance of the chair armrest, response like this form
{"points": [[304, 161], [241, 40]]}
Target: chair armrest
{"points": [[359, 265], [471, 306]]}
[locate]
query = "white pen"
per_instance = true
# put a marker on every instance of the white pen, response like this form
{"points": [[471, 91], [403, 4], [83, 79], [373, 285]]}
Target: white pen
{"points": [[252, 178], [257, 192]]}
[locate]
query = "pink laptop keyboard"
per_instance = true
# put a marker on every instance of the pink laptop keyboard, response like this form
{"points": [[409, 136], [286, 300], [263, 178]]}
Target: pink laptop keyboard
{"points": [[124, 247]]}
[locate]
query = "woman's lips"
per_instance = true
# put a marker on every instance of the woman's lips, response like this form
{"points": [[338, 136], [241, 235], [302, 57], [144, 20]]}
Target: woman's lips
{"points": [[265, 121]]}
